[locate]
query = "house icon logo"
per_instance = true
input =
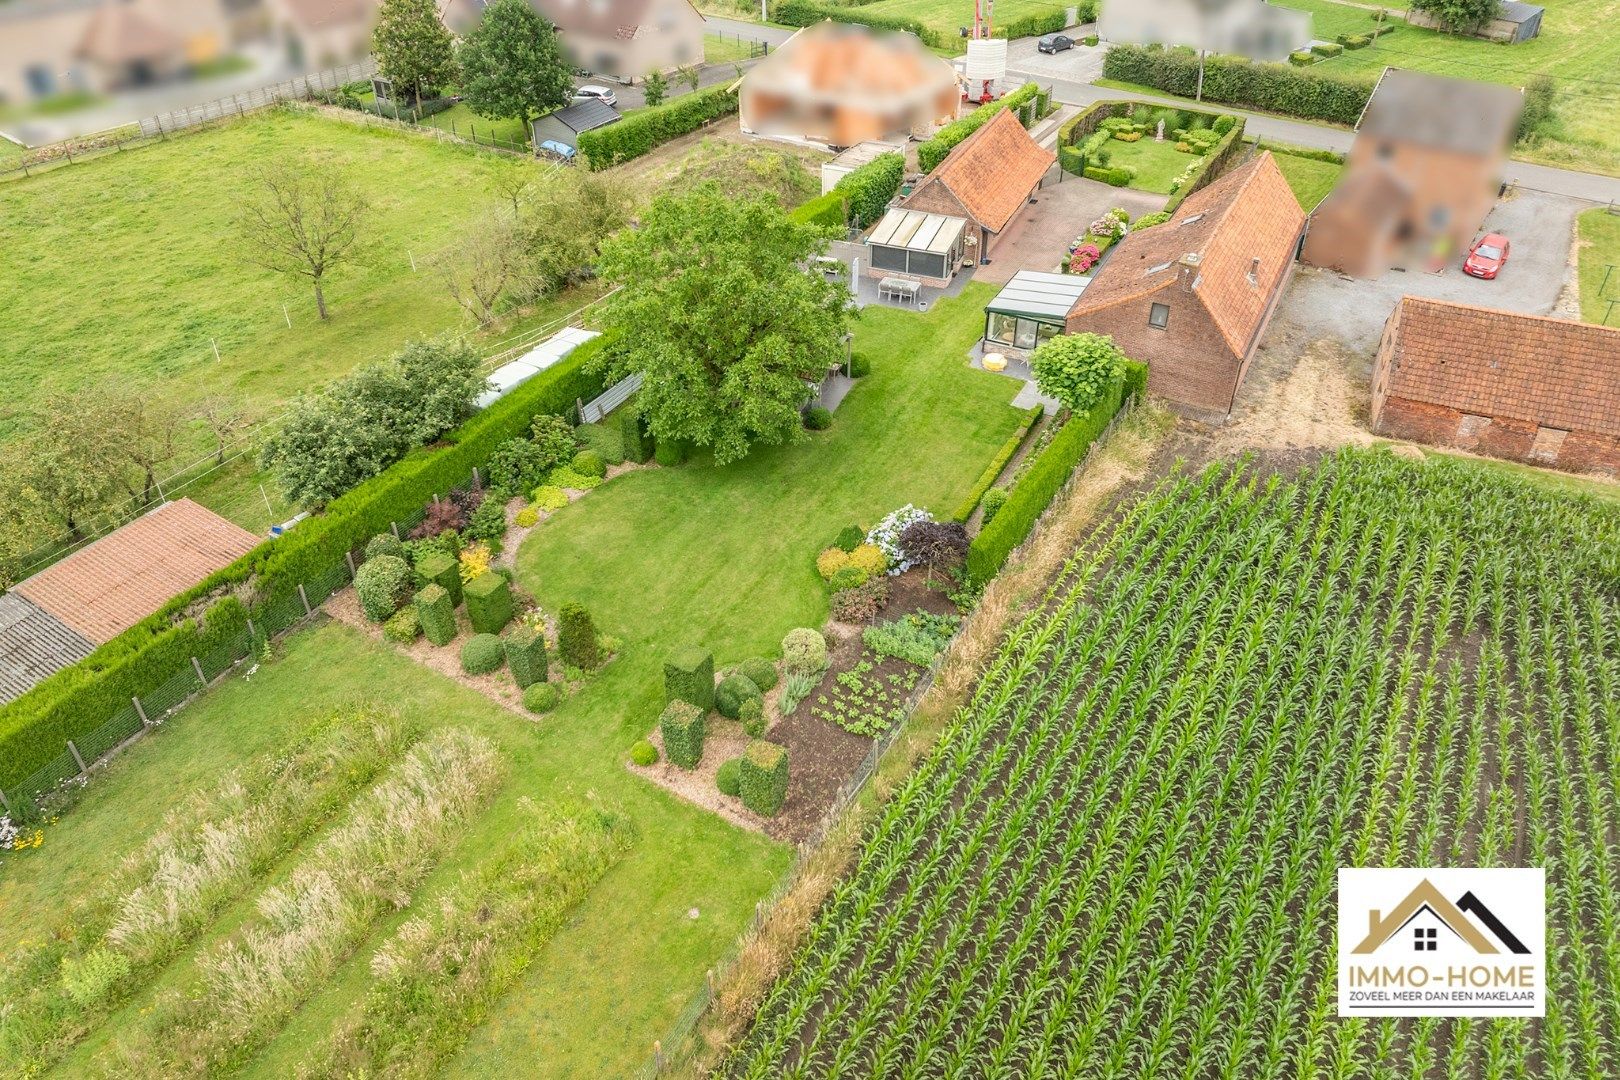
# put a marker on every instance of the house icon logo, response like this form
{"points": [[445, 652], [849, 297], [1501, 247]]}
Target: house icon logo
{"points": [[1425, 914], [1442, 941]]}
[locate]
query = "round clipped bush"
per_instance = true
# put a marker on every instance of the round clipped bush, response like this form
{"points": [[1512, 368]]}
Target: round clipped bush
{"points": [[729, 777], [817, 418], [869, 559], [993, 501], [848, 577], [527, 518], [732, 692], [541, 697], [550, 497], [850, 537], [752, 717], [385, 544], [831, 561], [482, 654], [644, 753], [804, 652], [760, 670], [589, 463], [403, 626], [382, 584], [860, 366]]}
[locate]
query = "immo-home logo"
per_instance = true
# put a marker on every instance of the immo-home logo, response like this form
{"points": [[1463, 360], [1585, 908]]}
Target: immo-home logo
{"points": [[1452, 941]]}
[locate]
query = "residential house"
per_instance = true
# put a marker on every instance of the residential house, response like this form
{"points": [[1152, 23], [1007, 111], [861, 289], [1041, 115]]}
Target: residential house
{"points": [[986, 179], [838, 85], [1251, 28], [1192, 296], [324, 33], [1423, 173], [1525, 387]]}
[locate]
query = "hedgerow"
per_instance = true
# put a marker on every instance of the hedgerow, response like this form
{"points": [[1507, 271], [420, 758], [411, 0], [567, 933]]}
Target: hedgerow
{"points": [[639, 132], [869, 188], [935, 150], [1279, 88]]}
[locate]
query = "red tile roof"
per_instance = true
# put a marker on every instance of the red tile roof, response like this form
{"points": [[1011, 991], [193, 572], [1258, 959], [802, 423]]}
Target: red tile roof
{"points": [[1553, 372], [102, 590], [992, 172], [1248, 214]]}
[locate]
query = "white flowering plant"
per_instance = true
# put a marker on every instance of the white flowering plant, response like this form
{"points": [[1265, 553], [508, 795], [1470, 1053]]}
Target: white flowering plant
{"points": [[886, 535], [8, 833]]}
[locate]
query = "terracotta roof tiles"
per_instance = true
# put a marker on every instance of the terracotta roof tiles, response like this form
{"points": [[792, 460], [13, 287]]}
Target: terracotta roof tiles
{"points": [[992, 172]]}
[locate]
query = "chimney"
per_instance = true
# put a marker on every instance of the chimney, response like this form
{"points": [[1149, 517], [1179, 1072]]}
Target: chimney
{"points": [[1187, 276], [1254, 272]]}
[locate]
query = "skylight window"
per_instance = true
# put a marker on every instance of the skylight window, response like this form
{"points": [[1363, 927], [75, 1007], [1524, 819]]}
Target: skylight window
{"points": [[1156, 269]]}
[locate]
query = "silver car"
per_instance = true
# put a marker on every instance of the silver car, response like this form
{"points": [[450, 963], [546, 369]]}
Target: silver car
{"points": [[591, 92]]}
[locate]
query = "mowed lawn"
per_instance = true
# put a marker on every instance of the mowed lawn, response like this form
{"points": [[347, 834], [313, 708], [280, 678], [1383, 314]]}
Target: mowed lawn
{"points": [[1157, 164], [1578, 47], [948, 18], [126, 270], [1311, 180], [612, 980], [724, 557], [1599, 248]]}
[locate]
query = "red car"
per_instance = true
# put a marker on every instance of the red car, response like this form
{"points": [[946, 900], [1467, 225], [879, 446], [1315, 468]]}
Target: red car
{"points": [[1487, 257]]}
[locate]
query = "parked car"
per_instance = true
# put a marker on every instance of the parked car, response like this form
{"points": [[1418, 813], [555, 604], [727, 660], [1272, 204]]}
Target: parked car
{"points": [[1055, 43], [592, 92], [1487, 257], [554, 149]]}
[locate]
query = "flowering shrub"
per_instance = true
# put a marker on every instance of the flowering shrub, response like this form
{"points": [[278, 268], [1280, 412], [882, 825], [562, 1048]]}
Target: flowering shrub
{"points": [[8, 834], [1108, 225], [1083, 258], [886, 535], [474, 562]]}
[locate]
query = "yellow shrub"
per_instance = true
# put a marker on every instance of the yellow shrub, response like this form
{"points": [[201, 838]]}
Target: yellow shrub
{"points": [[831, 561], [474, 562], [527, 517], [869, 560]]}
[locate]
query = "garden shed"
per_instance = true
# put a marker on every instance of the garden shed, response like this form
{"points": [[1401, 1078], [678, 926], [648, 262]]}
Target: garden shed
{"points": [[1031, 308], [565, 125], [923, 245], [1513, 23]]}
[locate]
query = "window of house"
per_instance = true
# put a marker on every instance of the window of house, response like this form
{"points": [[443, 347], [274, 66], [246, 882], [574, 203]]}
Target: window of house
{"points": [[1386, 150], [889, 258], [1025, 337], [1001, 328], [41, 83], [1159, 316], [924, 264]]}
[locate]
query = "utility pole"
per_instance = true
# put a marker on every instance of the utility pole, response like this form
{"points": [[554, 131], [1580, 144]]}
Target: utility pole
{"points": [[1200, 95]]}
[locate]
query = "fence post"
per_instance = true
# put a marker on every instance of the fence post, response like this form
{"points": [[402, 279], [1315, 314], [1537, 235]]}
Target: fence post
{"points": [[197, 665], [395, 526], [304, 596], [140, 711], [658, 1055], [5, 802], [348, 557], [84, 771]]}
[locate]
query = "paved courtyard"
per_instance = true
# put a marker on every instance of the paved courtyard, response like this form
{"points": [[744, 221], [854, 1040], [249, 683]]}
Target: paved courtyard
{"points": [[1039, 237]]}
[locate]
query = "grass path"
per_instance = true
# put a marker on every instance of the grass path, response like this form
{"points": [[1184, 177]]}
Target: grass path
{"points": [[1599, 247]]}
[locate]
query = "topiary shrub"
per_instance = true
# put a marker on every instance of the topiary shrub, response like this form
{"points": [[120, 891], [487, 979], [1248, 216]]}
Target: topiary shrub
{"points": [[606, 440], [847, 577], [382, 584], [752, 717], [860, 366], [527, 518], [576, 638], [526, 654], [482, 654], [384, 544], [644, 753], [817, 418], [728, 778], [804, 652], [683, 726], [763, 777], [589, 463], [442, 569], [850, 537], [689, 676], [489, 603], [541, 697], [633, 433], [436, 614], [403, 626], [760, 671], [993, 501], [732, 692]]}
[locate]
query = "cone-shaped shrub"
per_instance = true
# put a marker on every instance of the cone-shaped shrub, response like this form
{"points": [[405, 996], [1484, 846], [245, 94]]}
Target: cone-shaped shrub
{"points": [[444, 570], [764, 777], [489, 603], [689, 676], [576, 638], [683, 728], [526, 655], [437, 613]]}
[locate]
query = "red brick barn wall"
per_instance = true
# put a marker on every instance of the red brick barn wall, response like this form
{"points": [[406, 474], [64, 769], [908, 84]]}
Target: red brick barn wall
{"points": [[1188, 360], [1494, 436]]}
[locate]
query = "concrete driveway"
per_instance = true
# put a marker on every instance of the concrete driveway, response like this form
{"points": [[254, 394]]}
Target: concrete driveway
{"points": [[1039, 236], [1322, 304], [1079, 64]]}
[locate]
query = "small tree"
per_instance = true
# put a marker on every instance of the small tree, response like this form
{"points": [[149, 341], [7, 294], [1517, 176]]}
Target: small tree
{"points": [[146, 427], [512, 66], [478, 268], [654, 87], [414, 50], [73, 466], [224, 418], [568, 221], [935, 544], [304, 221], [1459, 16], [690, 75], [1077, 368]]}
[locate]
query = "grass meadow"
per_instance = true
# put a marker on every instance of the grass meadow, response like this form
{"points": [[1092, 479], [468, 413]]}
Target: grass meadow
{"points": [[1311, 180], [1157, 164], [1599, 253]]}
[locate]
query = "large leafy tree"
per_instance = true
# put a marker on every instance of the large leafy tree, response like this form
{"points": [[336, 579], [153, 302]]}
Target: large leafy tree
{"points": [[717, 313], [1077, 368], [1459, 15], [414, 50], [303, 220], [511, 64]]}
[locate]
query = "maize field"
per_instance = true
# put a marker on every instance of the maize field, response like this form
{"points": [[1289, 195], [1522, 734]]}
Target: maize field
{"points": [[1120, 859]]}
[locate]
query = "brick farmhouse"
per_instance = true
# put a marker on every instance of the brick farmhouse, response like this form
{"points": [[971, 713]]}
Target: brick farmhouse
{"points": [[1191, 297], [1525, 387]]}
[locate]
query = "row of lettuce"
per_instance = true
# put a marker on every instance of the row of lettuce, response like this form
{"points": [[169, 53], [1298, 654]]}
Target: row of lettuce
{"points": [[77, 700]]}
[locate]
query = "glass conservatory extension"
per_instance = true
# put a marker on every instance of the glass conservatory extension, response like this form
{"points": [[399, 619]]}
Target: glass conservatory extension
{"points": [[1031, 308], [917, 243]]}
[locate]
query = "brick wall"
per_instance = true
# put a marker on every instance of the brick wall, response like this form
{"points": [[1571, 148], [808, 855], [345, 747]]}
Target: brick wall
{"points": [[1188, 361], [1496, 436]]}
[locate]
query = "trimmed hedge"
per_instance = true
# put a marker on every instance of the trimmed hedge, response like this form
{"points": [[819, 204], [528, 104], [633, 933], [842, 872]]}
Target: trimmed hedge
{"points": [[526, 655], [1113, 177], [1038, 485], [683, 726], [732, 692], [1136, 378], [808, 12], [827, 210], [576, 638], [639, 132], [489, 603], [442, 570], [689, 676], [1279, 88], [869, 188], [987, 478], [763, 777], [437, 613], [1214, 163], [482, 654], [605, 440], [633, 435], [935, 150]]}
